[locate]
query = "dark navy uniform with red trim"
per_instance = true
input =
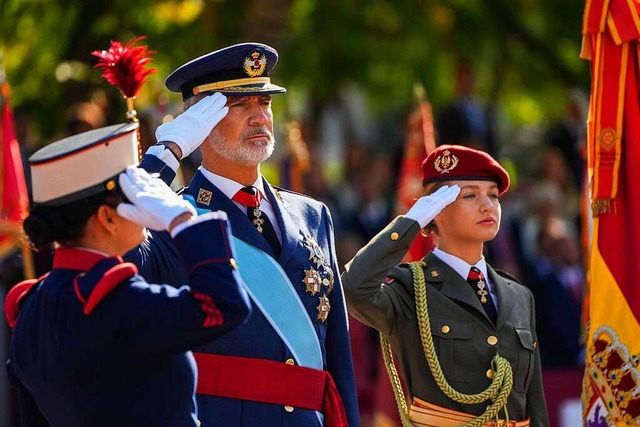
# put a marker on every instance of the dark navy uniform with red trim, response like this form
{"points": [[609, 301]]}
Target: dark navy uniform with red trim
{"points": [[298, 217], [94, 344]]}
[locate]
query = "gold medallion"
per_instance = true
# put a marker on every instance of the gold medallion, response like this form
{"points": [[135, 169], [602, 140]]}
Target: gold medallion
{"points": [[204, 196], [328, 279], [323, 308], [313, 281]]}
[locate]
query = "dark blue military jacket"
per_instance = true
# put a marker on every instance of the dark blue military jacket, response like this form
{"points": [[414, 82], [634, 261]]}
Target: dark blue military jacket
{"points": [[306, 227], [94, 344]]}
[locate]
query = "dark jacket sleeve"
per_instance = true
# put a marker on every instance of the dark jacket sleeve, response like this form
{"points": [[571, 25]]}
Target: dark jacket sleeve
{"points": [[153, 164], [368, 299], [158, 259], [169, 318]]}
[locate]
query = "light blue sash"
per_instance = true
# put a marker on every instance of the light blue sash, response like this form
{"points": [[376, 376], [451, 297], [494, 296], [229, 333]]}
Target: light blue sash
{"points": [[275, 296]]}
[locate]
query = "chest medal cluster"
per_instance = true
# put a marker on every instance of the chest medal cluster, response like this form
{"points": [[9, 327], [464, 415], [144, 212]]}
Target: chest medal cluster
{"points": [[319, 278]]}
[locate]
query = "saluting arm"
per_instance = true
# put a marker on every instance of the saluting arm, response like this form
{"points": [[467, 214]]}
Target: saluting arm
{"points": [[366, 272]]}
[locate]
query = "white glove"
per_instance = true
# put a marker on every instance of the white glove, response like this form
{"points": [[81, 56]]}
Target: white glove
{"points": [[190, 128], [427, 207], [153, 204]]}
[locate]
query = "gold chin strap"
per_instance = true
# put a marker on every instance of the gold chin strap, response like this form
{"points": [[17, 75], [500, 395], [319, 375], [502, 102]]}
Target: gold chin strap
{"points": [[225, 84], [498, 390]]}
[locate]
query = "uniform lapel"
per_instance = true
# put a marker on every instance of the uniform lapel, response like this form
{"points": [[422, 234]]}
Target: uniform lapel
{"points": [[203, 190], [506, 296], [453, 285], [288, 221]]}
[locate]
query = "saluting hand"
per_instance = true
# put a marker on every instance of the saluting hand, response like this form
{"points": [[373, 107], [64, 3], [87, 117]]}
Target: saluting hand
{"points": [[427, 207], [190, 128], [153, 203]]}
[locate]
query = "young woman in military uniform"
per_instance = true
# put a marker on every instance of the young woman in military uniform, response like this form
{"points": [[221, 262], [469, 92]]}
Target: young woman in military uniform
{"points": [[463, 334], [93, 343]]}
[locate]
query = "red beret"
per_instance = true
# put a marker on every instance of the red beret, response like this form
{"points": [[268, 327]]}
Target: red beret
{"points": [[457, 162]]}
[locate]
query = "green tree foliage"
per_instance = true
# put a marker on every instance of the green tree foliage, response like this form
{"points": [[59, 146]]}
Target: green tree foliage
{"points": [[525, 51]]}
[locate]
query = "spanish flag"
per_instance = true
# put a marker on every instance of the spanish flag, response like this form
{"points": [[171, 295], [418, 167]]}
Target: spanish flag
{"points": [[611, 385]]}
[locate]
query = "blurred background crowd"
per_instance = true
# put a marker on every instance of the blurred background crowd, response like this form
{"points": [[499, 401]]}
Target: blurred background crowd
{"points": [[500, 76]]}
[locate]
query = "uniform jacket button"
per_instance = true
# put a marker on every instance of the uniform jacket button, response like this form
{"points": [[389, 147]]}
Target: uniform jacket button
{"points": [[492, 340], [445, 329], [290, 362], [288, 408], [395, 236]]}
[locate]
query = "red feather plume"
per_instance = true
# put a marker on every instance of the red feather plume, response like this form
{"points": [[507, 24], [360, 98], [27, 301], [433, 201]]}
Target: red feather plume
{"points": [[125, 65]]}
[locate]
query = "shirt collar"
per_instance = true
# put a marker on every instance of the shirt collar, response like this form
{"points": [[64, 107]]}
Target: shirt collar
{"points": [[461, 267], [228, 186]]}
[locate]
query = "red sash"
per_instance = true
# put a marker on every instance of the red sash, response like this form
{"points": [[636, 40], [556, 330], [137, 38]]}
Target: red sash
{"points": [[267, 381]]}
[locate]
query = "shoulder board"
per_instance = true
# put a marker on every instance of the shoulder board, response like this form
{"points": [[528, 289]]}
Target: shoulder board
{"points": [[16, 296], [506, 275], [286, 190], [109, 281]]}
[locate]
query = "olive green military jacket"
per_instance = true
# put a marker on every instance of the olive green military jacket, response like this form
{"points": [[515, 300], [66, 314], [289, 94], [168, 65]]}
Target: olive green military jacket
{"points": [[380, 293]]}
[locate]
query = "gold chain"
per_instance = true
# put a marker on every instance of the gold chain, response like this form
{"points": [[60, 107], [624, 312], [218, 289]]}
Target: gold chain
{"points": [[498, 390]]}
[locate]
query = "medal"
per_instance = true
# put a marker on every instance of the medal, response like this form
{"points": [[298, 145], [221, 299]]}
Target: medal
{"points": [[257, 220], [323, 308], [328, 280], [481, 291], [315, 253], [313, 281]]}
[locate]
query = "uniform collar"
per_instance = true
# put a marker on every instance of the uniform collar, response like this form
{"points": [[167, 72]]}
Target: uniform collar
{"points": [[461, 267], [228, 186], [82, 259]]}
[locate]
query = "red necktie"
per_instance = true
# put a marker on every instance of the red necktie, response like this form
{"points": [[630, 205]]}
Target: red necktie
{"points": [[251, 197], [481, 288]]}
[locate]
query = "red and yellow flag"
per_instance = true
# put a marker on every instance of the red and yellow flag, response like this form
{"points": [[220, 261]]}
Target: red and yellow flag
{"points": [[14, 199], [611, 30], [419, 142]]}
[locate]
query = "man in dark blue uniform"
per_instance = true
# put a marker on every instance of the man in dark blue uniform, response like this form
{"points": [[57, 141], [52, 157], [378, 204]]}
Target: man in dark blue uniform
{"points": [[290, 364]]}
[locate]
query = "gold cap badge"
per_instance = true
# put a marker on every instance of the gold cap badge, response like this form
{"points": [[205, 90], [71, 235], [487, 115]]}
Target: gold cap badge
{"points": [[255, 64], [446, 162]]}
